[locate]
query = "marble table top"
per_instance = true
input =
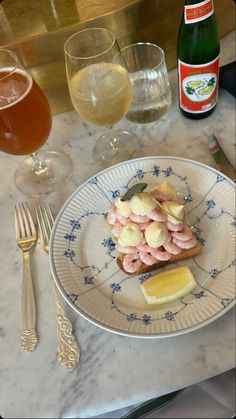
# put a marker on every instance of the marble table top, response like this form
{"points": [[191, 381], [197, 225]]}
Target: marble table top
{"points": [[114, 370]]}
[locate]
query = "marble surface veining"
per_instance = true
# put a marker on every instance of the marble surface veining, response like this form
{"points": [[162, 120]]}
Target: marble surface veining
{"points": [[114, 371]]}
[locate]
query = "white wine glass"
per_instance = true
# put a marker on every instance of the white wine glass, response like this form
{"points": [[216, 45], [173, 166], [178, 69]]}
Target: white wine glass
{"points": [[100, 91], [25, 124]]}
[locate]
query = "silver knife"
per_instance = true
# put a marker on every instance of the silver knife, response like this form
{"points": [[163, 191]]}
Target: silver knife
{"points": [[222, 163]]}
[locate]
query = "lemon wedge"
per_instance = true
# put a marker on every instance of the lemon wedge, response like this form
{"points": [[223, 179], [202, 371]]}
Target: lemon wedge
{"points": [[168, 285]]}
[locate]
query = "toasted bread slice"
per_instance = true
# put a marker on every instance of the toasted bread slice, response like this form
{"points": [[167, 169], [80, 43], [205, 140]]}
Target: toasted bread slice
{"points": [[185, 254]]}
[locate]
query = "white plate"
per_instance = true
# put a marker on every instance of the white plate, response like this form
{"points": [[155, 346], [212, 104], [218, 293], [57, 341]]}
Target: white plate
{"points": [[83, 258]]}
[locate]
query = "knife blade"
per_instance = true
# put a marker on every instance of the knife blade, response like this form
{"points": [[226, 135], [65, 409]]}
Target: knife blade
{"points": [[222, 163]]}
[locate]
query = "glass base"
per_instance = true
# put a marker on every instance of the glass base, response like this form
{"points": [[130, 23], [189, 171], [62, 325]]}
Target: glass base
{"points": [[114, 147], [55, 169]]}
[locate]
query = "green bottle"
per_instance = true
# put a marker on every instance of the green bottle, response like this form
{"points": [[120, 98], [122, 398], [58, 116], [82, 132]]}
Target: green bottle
{"points": [[198, 49]]}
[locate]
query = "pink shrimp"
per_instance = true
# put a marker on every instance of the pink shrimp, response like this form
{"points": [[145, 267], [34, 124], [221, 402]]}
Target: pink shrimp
{"points": [[123, 220], [168, 238], [189, 244], [172, 248], [143, 226], [117, 227], [144, 248], [129, 250], [111, 215], [184, 235], [161, 254], [131, 263], [159, 196], [157, 215], [174, 227], [138, 218], [147, 258], [144, 241]]}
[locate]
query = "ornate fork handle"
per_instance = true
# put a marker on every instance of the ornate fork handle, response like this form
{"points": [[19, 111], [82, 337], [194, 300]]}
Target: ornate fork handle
{"points": [[29, 338], [68, 349]]}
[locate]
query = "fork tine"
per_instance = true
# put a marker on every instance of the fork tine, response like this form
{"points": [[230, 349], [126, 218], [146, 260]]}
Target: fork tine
{"points": [[18, 234], [46, 221], [44, 226], [39, 224], [24, 219], [49, 215], [30, 219], [20, 221]]}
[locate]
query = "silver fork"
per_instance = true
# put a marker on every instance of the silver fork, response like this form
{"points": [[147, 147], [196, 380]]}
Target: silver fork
{"points": [[26, 237], [68, 349]]}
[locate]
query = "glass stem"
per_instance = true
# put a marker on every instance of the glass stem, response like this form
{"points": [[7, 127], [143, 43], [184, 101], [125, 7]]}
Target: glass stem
{"points": [[114, 141], [39, 166]]}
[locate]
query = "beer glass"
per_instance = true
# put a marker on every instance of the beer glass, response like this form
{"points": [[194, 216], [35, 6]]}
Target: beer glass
{"points": [[100, 90], [25, 124]]}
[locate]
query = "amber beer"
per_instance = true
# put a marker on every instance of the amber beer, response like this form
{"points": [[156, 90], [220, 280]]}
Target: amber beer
{"points": [[25, 115]]}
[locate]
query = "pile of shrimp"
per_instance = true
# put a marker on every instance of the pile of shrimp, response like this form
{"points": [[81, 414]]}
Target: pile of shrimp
{"points": [[180, 237]]}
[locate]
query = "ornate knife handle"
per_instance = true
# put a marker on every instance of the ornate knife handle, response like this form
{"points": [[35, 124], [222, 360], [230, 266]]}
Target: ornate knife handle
{"points": [[68, 349], [29, 338]]}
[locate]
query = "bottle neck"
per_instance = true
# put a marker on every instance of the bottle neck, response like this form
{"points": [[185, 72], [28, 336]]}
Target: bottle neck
{"points": [[195, 11]]}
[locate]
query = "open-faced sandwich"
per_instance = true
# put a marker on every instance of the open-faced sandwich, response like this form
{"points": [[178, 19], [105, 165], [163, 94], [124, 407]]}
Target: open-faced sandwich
{"points": [[150, 229]]}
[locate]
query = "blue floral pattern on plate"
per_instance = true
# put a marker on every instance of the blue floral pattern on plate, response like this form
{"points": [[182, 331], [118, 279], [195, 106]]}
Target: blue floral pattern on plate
{"points": [[83, 253]]}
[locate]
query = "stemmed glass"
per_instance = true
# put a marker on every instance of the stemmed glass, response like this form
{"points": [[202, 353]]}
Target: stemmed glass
{"points": [[100, 90], [25, 124]]}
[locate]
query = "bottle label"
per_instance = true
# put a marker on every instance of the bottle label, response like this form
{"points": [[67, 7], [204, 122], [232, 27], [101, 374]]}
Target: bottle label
{"points": [[198, 86], [197, 12]]}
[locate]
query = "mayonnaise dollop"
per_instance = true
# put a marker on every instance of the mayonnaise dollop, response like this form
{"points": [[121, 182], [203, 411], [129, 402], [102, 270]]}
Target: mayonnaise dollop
{"points": [[142, 203], [156, 234], [174, 211], [130, 235], [123, 207]]}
